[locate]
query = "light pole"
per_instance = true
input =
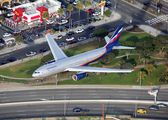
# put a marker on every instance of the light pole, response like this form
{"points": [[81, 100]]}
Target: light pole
{"points": [[140, 79], [115, 5], [136, 107], [56, 80], [64, 105], [102, 110], [71, 23]]}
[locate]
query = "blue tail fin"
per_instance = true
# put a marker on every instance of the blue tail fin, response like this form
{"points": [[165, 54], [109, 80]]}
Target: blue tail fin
{"points": [[114, 39]]}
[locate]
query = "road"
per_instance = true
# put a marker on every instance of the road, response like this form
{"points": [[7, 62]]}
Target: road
{"points": [[92, 109]]}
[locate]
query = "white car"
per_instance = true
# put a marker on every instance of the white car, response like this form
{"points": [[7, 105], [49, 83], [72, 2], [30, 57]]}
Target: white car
{"points": [[69, 38], [17, 31], [50, 21], [59, 36], [6, 35], [62, 22], [31, 53], [81, 38], [10, 14], [65, 16], [79, 30], [96, 13]]}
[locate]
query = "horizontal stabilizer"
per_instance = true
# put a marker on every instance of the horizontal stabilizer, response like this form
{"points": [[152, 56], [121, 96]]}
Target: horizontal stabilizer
{"points": [[98, 69], [122, 47]]}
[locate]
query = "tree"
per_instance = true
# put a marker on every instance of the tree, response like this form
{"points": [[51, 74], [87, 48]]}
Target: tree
{"points": [[46, 58], [2, 18], [129, 44], [156, 3], [144, 59], [143, 48], [88, 3], [143, 75], [90, 75], [149, 68], [160, 42], [119, 74], [101, 75], [70, 8], [45, 15], [19, 39], [110, 56], [107, 13], [127, 66], [79, 6], [101, 33], [103, 60], [60, 12], [165, 64]]}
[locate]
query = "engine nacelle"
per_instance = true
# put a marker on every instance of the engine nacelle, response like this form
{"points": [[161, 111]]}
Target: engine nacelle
{"points": [[78, 76], [51, 61]]}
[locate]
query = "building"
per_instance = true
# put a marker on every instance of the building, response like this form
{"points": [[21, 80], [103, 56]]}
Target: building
{"points": [[30, 13]]}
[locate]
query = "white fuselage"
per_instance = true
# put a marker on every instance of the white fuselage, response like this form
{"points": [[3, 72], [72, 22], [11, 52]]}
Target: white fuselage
{"points": [[65, 63]]}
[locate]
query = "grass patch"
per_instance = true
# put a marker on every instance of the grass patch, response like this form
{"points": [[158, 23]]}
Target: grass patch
{"points": [[10, 80]]}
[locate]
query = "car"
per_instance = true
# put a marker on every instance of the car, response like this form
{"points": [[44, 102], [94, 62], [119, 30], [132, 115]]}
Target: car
{"points": [[62, 28], [72, 41], [77, 109], [43, 50], [91, 35], [97, 18], [59, 36], [41, 24], [74, 25], [63, 7], [6, 35], [153, 107], [162, 105], [62, 22], [10, 14], [3, 62], [70, 33], [62, 43], [92, 19], [1, 40], [159, 5], [141, 110], [70, 38], [65, 16], [108, 5], [89, 10], [17, 31], [50, 21], [11, 59], [79, 30], [75, 2], [96, 13], [71, 1], [110, 29], [67, 26], [90, 27], [31, 53], [146, 4], [81, 38]]}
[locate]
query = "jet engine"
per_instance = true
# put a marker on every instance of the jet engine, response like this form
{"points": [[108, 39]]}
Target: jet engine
{"points": [[78, 76]]}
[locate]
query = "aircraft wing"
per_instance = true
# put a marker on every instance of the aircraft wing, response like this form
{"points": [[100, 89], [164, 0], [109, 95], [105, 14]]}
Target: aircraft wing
{"points": [[55, 49], [98, 69]]}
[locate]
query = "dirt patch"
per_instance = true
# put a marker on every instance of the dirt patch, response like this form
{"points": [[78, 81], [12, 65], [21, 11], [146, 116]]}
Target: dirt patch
{"points": [[162, 54], [11, 84]]}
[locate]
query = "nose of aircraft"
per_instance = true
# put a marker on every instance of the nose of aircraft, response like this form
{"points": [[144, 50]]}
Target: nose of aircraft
{"points": [[34, 75]]}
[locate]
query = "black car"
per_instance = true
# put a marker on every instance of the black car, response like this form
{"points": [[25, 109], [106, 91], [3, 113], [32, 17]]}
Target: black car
{"points": [[41, 24], [70, 33], [159, 5], [90, 27], [153, 107], [11, 59], [146, 3], [108, 5], [77, 109], [1, 40], [74, 25], [92, 19], [56, 28], [71, 1], [43, 50], [67, 26], [3, 62]]}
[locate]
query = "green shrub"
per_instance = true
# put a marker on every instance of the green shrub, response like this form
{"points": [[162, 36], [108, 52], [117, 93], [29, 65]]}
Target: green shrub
{"points": [[107, 13]]}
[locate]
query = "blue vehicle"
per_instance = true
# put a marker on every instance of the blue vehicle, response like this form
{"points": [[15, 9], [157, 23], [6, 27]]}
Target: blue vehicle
{"points": [[77, 109], [153, 107], [162, 105]]}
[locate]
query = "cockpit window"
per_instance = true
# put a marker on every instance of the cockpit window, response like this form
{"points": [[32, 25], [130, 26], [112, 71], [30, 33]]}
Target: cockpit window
{"points": [[36, 72]]}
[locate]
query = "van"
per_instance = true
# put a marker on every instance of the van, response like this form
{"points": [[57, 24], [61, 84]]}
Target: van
{"points": [[7, 39]]}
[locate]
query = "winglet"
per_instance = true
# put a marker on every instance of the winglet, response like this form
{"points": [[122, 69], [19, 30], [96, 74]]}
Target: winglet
{"points": [[48, 31], [136, 68]]}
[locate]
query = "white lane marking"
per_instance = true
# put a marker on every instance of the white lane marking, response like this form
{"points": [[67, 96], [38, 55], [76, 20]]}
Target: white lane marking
{"points": [[32, 92], [3, 97], [123, 4], [40, 110], [119, 6], [66, 97], [50, 106], [61, 91], [160, 111], [91, 91], [3, 94], [96, 108], [127, 10], [62, 94], [4, 55], [122, 91], [80, 105], [128, 109], [52, 112], [21, 114], [123, 94], [32, 95], [96, 97], [92, 94], [126, 97], [21, 111]]}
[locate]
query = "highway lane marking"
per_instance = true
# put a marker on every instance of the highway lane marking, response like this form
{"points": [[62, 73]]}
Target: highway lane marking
{"points": [[21, 111], [52, 112], [91, 91], [96, 108], [22, 114], [32, 95], [61, 91], [160, 111], [123, 94], [96, 97], [3, 97], [80, 105], [3, 94], [4, 55], [62, 94], [92, 94], [50, 106], [40, 110], [122, 91], [32, 92], [123, 4], [128, 109], [126, 97]]}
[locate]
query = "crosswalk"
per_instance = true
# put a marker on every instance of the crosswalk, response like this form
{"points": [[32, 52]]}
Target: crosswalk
{"points": [[157, 20]]}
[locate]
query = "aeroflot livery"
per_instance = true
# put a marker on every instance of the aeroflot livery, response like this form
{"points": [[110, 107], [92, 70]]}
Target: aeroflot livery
{"points": [[62, 63]]}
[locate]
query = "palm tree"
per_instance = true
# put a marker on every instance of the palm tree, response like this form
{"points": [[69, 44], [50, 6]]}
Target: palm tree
{"points": [[143, 75], [70, 8], [60, 12], [45, 16], [156, 3], [79, 6]]}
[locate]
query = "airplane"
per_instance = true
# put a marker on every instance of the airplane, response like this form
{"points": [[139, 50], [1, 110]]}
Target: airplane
{"points": [[78, 63]]}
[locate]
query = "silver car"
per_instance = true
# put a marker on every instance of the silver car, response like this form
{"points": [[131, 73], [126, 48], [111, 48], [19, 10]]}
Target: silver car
{"points": [[31, 53]]}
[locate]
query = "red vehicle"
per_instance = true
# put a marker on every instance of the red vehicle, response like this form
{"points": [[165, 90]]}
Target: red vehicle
{"points": [[72, 41], [89, 10]]}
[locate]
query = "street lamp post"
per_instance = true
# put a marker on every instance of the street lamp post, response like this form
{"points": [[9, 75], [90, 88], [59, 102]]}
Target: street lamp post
{"points": [[64, 105], [136, 107], [115, 5], [56, 80], [140, 78], [71, 23]]}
